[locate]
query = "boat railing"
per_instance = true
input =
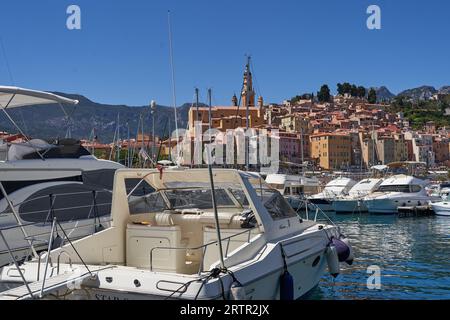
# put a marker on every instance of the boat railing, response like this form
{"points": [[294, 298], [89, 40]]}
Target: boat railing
{"points": [[37, 237], [204, 247], [48, 258], [317, 211], [63, 252]]}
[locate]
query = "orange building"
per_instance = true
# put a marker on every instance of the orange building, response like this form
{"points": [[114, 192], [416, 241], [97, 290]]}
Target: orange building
{"points": [[331, 150]]}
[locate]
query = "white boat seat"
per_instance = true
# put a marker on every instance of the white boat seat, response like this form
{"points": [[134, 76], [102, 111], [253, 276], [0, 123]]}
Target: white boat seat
{"points": [[141, 239]]}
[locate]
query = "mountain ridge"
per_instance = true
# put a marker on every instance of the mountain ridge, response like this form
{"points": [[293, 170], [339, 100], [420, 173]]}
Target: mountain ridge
{"points": [[48, 121]]}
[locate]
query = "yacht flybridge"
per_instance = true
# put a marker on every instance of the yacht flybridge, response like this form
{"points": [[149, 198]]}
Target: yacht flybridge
{"points": [[294, 187], [41, 179], [183, 241]]}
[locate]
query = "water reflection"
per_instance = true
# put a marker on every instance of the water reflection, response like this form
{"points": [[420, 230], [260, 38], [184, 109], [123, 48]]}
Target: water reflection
{"points": [[413, 254]]}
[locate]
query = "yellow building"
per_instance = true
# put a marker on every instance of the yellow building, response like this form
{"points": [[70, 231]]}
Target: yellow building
{"points": [[400, 148], [331, 150], [228, 117], [295, 123]]}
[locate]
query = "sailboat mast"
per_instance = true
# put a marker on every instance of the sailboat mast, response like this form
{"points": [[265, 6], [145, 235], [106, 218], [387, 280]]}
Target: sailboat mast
{"points": [[301, 149], [373, 144], [209, 109], [172, 68], [118, 138], [247, 116], [196, 105], [128, 146]]}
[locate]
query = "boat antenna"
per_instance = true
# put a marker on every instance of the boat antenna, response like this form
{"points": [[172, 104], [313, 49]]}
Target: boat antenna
{"points": [[172, 68]]}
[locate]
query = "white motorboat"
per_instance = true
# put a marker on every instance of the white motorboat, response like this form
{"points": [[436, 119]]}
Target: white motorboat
{"points": [[293, 187], [334, 189], [353, 202], [398, 191], [441, 208], [43, 179], [165, 245]]}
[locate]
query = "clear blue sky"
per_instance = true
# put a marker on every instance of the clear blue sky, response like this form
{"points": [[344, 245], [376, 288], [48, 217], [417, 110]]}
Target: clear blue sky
{"points": [[121, 54]]}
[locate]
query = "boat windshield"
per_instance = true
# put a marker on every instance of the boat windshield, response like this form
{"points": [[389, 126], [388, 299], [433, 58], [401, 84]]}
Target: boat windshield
{"points": [[406, 188], [181, 199]]}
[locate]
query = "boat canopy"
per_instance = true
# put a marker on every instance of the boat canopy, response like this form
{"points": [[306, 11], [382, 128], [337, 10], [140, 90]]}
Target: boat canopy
{"points": [[181, 178], [13, 97]]}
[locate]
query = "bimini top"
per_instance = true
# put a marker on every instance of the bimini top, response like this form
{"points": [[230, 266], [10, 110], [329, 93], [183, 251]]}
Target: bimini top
{"points": [[13, 97], [183, 178]]}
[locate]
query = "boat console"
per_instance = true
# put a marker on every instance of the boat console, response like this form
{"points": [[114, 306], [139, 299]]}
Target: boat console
{"points": [[182, 241]]}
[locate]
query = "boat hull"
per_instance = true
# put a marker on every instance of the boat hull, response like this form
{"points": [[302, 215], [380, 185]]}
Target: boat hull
{"points": [[322, 204], [390, 205], [349, 206], [306, 278], [441, 208]]}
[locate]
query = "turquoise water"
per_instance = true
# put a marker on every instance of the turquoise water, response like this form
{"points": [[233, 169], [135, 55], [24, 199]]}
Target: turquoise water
{"points": [[413, 255]]}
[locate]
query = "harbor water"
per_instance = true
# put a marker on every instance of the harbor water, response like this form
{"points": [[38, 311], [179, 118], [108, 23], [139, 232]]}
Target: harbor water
{"points": [[413, 255]]}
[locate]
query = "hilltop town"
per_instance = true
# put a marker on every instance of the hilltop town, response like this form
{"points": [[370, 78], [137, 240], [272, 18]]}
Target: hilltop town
{"points": [[352, 130], [348, 131]]}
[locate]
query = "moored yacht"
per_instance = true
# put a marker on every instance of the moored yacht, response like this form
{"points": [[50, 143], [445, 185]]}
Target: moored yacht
{"points": [[398, 191], [442, 208], [242, 241], [42, 179], [293, 187], [353, 202], [334, 189]]}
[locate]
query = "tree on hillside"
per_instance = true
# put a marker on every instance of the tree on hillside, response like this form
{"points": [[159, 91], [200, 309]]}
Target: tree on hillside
{"points": [[305, 96], [354, 91], [324, 94], [340, 89], [361, 92], [351, 89], [372, 97]]}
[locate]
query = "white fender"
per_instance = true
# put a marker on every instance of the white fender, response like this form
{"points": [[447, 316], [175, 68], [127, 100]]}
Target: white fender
{"points": [[333, 261], [237, 291]]}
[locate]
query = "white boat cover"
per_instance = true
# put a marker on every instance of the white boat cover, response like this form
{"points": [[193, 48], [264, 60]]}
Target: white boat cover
{"points": [[18, 151], [13, 97]]}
